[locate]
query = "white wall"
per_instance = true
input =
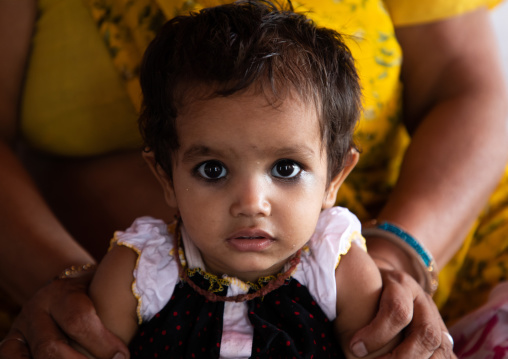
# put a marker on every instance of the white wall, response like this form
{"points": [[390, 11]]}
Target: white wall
{"points": [[500, 21]]}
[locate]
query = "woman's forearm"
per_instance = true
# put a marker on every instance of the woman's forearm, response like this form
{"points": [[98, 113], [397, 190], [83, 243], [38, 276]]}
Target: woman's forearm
{"points": [[455, 103], [453, 164], [35, 246]]}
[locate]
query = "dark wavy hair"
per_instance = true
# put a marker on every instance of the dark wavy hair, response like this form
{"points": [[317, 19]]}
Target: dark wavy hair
{"points": [[249, 44]]}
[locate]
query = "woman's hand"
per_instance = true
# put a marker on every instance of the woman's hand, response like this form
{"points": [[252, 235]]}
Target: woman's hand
{"points": [[404, 306], [57, 314]]}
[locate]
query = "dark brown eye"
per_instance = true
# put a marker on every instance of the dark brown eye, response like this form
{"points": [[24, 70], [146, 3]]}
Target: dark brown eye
{"points": [[212, 170], [286, 169]]}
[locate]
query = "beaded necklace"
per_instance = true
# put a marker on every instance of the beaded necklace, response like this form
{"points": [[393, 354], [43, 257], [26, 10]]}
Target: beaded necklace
{"points": [[270, 286]]}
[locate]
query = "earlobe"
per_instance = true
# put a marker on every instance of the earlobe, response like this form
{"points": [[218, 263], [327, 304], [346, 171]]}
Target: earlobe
{"points": [[336, 182], [162, 177]]}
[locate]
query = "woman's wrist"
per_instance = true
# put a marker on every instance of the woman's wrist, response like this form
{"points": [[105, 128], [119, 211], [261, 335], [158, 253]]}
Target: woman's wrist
{"points": [[389, 256], [392, 247]]}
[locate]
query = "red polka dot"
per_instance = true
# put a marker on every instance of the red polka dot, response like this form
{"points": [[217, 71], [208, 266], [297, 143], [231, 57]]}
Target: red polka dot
{"points": [[297, 313], [313, 303], [175, 314], [178, 327], [166, 347], [210, 314], [258, 350], [187, 312], [324, 348], [277, 302], [157, 315], [288, 343], [151, 340], [218, 345], [311, 316], [163, 332]]}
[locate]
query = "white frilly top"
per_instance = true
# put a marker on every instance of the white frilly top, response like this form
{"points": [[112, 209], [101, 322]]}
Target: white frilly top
{"points": [[156, 272]]}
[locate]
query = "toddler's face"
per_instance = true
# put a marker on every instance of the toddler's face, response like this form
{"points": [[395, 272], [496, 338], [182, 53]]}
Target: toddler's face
{"points": [[249, 181]]}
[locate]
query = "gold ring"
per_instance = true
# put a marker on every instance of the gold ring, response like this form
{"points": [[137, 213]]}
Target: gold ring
{"points": [[21, 340]]}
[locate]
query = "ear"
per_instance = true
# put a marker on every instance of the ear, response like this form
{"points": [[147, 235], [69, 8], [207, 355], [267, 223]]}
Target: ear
{"points": [[162, 177], [336, 182]]}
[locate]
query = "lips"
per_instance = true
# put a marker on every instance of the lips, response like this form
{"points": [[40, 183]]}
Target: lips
{"points": [[250, 240]]}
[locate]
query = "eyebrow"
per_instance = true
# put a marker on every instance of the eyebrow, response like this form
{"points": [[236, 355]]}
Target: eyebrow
{"points": [[199, 151], [301, 151]]}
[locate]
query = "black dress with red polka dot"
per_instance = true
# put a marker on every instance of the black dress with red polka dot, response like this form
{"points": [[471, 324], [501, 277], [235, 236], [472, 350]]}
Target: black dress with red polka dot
{"points": [[287, 323]]}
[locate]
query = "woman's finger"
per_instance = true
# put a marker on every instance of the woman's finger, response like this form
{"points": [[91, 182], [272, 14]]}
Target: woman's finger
{"points": [[445, 351], [44, 338], [14, 346], [424, 337], [75, 314], [59, 315]]}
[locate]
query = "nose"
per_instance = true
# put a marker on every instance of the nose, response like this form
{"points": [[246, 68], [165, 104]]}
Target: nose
{"points": [[250, 198]]}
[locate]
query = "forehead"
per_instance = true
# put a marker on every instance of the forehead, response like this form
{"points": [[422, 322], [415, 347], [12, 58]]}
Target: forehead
{"points": [[249, 121]]}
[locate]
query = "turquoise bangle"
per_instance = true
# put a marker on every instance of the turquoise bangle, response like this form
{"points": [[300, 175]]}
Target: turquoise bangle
{"points": [[409, 239], [422, 260]]}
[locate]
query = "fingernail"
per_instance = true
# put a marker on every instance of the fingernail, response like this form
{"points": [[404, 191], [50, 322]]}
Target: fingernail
{"points": [[119, 356], [359, 349]]}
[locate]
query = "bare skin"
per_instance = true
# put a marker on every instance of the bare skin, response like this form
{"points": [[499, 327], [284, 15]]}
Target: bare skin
{"points": [[457, 112], [463, 101]]}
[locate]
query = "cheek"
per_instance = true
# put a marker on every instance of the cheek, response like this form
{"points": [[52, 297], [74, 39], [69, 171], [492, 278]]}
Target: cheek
{"points": [[300, 213], [198, 209], [311, 192]]}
